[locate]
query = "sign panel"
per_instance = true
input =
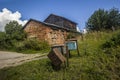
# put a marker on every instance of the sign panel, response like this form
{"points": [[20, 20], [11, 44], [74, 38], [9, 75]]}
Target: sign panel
{"points": [[71, 45]]}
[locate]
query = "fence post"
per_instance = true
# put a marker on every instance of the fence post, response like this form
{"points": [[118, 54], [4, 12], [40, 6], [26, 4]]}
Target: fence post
{"points": [[67, 55]]}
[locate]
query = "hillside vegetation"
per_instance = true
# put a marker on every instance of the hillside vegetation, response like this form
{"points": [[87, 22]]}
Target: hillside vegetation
{"points": [[99, 60]]}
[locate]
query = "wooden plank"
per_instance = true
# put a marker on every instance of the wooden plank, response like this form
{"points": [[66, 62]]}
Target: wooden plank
{"points": [[56, 57]]}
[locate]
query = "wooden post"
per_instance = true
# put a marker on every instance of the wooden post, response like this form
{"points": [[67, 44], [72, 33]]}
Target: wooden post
{"points": [[67, 55], [77, 49]]}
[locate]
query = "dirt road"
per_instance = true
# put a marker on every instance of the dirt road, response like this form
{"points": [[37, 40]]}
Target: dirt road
{"points": [[8, 59]]}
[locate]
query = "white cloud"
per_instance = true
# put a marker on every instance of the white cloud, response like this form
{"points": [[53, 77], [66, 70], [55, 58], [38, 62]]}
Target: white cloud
{"points": [[6, 16]]}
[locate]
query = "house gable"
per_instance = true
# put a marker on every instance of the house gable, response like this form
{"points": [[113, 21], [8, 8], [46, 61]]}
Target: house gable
{"points": [[61, 21]]}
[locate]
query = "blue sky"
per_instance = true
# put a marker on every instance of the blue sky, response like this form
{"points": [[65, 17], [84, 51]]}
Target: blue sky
{"points": [[76, 10]]}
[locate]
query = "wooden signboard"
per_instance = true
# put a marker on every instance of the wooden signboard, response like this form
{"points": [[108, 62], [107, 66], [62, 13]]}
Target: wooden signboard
{"points": [[72, 44], [56, 57]]}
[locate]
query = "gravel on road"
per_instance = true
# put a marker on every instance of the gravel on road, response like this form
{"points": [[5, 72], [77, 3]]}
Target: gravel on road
{"points": [[8, 59]]}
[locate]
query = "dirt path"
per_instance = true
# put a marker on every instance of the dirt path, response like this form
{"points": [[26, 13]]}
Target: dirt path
{"points": [[8, 59]]}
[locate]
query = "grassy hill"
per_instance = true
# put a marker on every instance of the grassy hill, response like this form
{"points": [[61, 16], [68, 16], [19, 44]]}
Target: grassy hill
{"points": [[99, 60]]}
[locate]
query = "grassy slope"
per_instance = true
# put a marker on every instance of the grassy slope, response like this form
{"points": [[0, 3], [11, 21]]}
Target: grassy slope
{"points": [[93, 63]]}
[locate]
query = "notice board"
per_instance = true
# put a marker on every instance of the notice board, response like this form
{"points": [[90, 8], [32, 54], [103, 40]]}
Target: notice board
{"points": [[72, 45]]}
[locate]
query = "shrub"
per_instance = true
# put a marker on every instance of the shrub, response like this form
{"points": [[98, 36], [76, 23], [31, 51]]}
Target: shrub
{"points": [[2, 40], [32, 44], [113, 42]]}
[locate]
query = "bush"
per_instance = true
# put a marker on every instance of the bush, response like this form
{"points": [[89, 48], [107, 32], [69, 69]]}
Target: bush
{"points": [[13, 33], [2, 40], [32, 44], [113, 42], [25, 45]]}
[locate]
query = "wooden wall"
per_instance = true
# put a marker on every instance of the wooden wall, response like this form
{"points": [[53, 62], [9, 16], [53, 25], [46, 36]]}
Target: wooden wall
{"points": [[61, 22]]}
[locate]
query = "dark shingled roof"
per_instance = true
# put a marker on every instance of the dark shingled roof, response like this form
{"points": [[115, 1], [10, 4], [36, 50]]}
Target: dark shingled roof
{"points": [[60, 17]]}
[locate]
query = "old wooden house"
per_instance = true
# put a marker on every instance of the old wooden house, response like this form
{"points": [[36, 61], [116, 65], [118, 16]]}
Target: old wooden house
{"points": [[54, 29]]}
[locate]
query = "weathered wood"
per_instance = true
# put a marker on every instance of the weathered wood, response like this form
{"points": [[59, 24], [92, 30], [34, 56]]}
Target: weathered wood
{"points": [[59, 47], [61, 22], [56, 57], [67, 56]]}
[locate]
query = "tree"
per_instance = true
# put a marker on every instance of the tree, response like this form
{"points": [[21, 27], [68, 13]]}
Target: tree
{"points": [[114, 18], [2, 36], [102, 19], [2, 40], [14, 31]]}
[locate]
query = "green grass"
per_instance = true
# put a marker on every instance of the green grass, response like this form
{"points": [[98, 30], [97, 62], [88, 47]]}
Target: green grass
{"points": [[42, 70], [80, 68], [93, 63]]}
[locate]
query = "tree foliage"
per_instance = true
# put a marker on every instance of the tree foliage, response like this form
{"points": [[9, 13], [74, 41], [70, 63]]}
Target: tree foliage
{"points": [[14, 31], [2, 40], [103, 19]]}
